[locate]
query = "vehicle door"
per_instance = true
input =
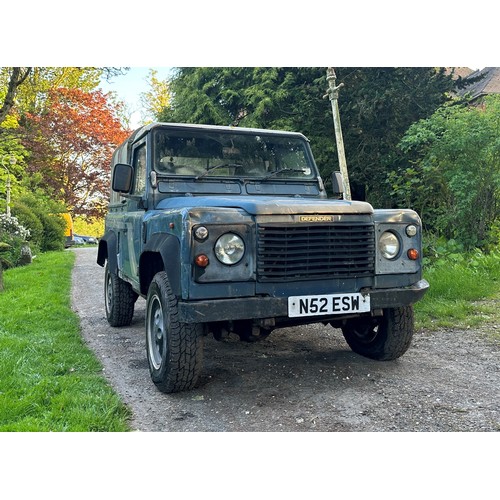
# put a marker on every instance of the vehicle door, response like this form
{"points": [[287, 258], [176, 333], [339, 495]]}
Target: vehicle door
{"points": [[131, 237]]}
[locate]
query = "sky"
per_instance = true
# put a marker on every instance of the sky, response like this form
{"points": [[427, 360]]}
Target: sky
{"points": [[129, 87]]}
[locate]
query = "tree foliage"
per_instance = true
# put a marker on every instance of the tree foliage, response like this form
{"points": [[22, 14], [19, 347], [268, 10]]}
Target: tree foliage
{"points": [[157, 97], [56, 139], [24, 92], [377, 105], [15, 79], [13, 157], [31, 86], [71, 145], [452, 175]]}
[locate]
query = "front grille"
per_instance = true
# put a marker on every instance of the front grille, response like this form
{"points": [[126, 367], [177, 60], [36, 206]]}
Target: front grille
{"points": [[299, 252]]}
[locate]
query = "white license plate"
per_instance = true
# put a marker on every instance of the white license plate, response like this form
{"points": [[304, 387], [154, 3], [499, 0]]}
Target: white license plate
{"points": [[317, 305]]}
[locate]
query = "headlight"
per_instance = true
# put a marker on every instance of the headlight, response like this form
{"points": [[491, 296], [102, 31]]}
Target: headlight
{"points": [[388, 245], [229, 248]]}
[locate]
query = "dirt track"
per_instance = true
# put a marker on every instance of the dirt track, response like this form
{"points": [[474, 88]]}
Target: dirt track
{"points": [[298, 379]]}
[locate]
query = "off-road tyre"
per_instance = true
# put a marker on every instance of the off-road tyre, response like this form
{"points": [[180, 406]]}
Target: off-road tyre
{"points": [[119, 299], [174, 349], [382, 338]]}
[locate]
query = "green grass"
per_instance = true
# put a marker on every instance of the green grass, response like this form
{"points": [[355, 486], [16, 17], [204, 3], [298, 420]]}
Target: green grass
{"points": [[464, 292], [49, 379]]}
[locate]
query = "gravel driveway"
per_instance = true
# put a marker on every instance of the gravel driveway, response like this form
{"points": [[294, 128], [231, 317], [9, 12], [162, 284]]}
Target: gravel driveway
{"points": [[298, 379]]}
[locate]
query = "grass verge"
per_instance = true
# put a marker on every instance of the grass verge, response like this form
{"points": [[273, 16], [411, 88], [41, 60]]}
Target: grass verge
{"points": [[49, 379], [464, 292]]}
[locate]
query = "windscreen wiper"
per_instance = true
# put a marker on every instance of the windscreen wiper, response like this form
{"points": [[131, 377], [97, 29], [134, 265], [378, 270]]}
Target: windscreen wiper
{"points": [[276, 172], [213, 167]]}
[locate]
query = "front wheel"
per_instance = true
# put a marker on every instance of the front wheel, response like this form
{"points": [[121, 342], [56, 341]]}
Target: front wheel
{"points": [[383, 338], [174, 349]]}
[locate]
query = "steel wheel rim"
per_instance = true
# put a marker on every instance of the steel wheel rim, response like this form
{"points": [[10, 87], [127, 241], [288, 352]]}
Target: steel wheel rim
{"points": [[109, 293], [366, 333], [156, 333]]}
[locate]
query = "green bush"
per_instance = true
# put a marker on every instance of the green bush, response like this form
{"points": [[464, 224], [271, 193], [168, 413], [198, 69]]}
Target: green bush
{"points": [[49, 212], [29, 219], [41, 217], [459, 282], [440, 250], [451, 175], [53, 232]]}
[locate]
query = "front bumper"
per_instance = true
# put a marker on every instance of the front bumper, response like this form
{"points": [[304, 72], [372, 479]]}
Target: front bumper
{"points": [[206, 311]]}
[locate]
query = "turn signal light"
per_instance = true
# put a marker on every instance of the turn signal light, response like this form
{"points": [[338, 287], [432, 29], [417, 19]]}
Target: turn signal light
{"points": [[413, 254], [201, 260]]}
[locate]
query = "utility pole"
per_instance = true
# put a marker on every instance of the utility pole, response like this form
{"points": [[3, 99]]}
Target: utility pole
{"points": [[333, 95], [12, 161]]}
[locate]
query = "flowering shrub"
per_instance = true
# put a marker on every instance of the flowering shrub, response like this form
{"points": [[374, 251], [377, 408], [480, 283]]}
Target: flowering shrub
{"points": [[12, 236], [10, 225]]}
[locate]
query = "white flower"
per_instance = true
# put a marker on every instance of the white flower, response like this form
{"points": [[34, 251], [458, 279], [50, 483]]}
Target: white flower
{"points": [[11, 226]]}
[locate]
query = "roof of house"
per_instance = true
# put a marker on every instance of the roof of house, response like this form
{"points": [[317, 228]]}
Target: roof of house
{"points": [[489, 84], [461, 72]]}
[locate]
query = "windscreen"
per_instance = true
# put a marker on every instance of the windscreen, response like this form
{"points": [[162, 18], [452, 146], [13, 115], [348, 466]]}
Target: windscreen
{"points": [[225, 154]]}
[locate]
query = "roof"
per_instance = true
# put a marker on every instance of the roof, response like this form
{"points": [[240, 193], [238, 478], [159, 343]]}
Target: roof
{"points": [[488, 84], [460, 72], [218, 128], [123, 151]]}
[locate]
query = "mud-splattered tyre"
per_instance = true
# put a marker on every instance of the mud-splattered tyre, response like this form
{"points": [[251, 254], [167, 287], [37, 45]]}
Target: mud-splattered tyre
{"points": [[119, 299], [174, 349], [383, 338]]}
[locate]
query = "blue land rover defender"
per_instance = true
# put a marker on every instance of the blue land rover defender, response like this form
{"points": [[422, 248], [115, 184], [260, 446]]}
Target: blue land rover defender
{"points": [[227, 229]]}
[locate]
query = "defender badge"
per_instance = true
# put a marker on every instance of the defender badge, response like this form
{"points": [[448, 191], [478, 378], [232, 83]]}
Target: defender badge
{"points": [[316, 218]]}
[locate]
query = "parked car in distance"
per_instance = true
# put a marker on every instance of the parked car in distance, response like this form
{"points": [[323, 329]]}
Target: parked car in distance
{"points": [[78, 240], [87, 240]]}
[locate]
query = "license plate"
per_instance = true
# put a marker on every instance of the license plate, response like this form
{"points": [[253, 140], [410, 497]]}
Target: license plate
{"points": [[317, 305]]}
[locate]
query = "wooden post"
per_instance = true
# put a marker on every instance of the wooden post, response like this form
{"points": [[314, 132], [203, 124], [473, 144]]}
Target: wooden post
{"points": [[333, 94]]}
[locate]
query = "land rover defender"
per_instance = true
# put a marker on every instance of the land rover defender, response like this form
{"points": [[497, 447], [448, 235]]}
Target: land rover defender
{"points": [[230, 230]]}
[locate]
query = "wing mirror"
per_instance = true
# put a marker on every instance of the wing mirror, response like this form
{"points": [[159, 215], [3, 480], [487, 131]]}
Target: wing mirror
{"points": [[123, 176], [337, 185]]}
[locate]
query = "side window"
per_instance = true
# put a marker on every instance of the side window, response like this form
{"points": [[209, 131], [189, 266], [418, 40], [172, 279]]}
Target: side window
{"points": [[140, 170]]}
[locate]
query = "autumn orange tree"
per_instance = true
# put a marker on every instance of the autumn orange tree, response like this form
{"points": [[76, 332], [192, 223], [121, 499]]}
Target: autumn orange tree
{"points": [[71, 145]]}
